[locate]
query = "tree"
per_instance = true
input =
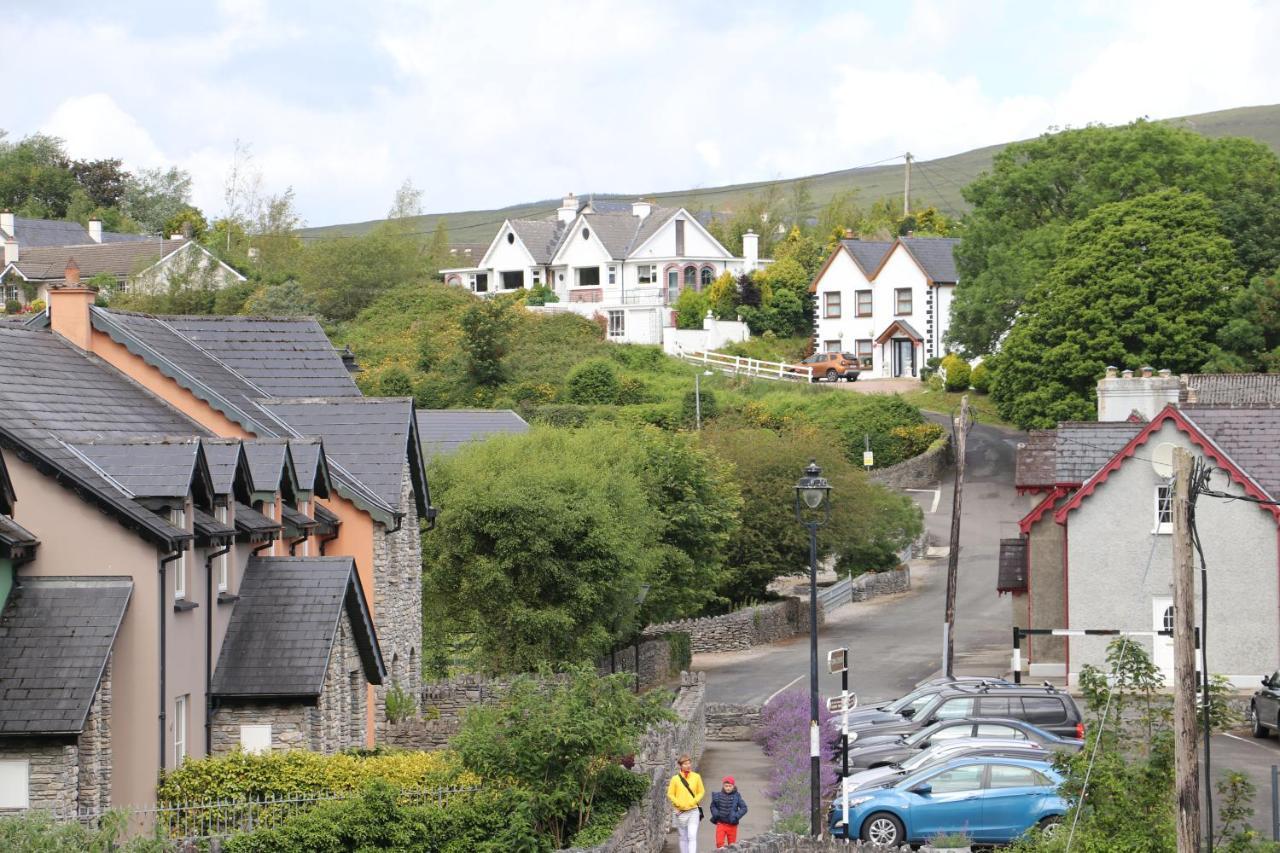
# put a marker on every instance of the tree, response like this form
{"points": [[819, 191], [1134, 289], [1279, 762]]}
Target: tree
{"points": [[286, 299], [1250, 340], [34, 177], [241, 191], [594, 382], [722, 296], [274, 234], [1037, 189], [802, 248], [486, 328], [104, 181], [188, 221], [154, 196], [438, 257], [1140, 282], [407, 202]]}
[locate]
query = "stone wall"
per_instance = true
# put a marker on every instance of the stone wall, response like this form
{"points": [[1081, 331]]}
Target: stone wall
{"points": [[440, 708], [94, 749], [655, 661], [52, 776], [291, 723], [742, 629], [788, 843], [397, 596], [732, 722], [918, 472], [341, 719], [875, 584]]}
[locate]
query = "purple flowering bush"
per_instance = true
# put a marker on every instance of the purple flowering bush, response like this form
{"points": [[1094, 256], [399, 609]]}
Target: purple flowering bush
{"points": [[784, 736]]}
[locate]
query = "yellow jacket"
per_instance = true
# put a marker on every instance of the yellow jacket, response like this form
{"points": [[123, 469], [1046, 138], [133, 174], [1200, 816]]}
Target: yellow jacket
{"points": [[680, 798]]}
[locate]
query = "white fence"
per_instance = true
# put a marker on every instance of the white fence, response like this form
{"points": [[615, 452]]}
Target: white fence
{"points": [[741, 366], [840, 592]]}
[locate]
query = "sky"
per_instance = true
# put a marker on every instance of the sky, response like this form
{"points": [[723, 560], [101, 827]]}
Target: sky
{"points": [[486, 104]]}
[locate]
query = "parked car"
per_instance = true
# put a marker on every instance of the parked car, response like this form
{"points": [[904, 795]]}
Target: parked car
{"points": [[906, 706], [993, 800], [832, 366], [895, 749], [1264, 708], [945, 751], [1044, 707]]}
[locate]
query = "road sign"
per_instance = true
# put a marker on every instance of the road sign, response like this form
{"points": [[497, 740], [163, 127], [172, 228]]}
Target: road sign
{"points": [[868, 458], [836, 704], [837, 660]]}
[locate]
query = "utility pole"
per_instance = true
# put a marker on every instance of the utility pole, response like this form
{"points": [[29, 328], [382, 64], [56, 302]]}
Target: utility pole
{"points": [[959, 430], [906, 188], [1186, 770]]}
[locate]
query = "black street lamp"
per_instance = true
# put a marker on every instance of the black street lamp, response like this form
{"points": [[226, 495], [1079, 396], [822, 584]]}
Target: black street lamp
{"points": [[813, 509]]}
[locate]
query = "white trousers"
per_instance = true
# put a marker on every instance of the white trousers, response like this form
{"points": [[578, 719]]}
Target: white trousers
{"points": [[687, 826]]}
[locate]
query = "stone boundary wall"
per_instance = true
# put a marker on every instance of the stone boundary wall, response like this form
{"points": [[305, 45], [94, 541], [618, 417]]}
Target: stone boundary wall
{"points": [[742, 629], [655, 661], [732, 722], [787, 843], [644, 827], [918, 472], [876, 584]]}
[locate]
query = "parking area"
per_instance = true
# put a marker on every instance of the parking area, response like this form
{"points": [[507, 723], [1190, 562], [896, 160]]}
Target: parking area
{"points": [[1254, 757]]}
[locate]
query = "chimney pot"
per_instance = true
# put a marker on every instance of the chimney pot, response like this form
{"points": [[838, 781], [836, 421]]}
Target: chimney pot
{"points": [[11, 250], [1146, 372], [750, 250], [1165, 373], [848, 234], [1112, 372], [71, 275], [568, 208], [641, 208], [95, 230], [1126, 374]]}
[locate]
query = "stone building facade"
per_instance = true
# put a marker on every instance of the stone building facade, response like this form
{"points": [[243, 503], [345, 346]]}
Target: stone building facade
{"points": [[397, 595]]}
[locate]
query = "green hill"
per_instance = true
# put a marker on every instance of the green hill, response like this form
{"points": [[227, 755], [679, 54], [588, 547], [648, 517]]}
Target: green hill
{"points": [[937, 182]]}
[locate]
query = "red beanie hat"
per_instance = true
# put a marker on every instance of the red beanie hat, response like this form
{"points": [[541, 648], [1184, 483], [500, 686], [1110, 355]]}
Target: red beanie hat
{"points": [[729, 779]]}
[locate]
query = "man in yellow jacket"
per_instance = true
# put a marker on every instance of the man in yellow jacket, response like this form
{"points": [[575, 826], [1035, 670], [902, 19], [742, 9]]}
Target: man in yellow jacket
{"points": [[685, 792]]}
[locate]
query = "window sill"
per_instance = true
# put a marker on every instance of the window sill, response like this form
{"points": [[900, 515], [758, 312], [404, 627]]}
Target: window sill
{"points": [[182, 605], [227, 598], [1163, 530]]}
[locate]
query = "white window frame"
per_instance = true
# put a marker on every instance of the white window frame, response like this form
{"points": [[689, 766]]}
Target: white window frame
{"points": [[831, 300], [536, 277], [15, 783], [613, 275], [617, 324], [1162, 507], [827, 346], [647, 274], [224, 560], [178, 518], [255, 739], [180, 706]]}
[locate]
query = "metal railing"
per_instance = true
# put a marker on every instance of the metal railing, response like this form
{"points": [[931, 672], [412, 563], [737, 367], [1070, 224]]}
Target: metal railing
{"points": [[742, 366], [840, 592], [644, 295]]}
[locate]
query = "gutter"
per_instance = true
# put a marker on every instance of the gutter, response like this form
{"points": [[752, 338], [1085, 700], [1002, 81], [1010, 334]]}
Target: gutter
{"points": [[208, 647], [164, 561]]}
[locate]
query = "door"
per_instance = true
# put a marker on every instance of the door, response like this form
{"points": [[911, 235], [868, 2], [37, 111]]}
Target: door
{"points": [[1008, 803], [954, 804], [673, 286], [1267, 700], [1162, 645], [904, 357]]}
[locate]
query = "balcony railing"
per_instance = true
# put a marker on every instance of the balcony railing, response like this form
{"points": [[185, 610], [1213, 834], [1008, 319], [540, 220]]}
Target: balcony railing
{"points": [[644, 296]]}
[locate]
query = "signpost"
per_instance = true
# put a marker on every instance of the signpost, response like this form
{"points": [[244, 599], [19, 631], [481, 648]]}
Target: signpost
{"points": [[838, 661]]}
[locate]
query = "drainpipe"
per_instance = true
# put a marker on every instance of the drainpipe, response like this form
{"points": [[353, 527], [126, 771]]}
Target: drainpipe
{"points": [[324, 540], [208, 648], [164, 561], [262, 547], [294, 543]]}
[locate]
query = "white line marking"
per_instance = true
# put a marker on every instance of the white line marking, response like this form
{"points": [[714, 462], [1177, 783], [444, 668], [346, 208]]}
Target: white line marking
{"points": [[1258, 743], [782, 688], [937, 496]]}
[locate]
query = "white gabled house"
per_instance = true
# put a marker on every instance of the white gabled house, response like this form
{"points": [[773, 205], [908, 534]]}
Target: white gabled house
{"points": [[886, 301], [625, 262]]}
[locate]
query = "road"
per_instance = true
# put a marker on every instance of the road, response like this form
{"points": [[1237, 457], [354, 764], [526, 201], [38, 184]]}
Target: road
{"points": [[896, 641], [1254, 758]]}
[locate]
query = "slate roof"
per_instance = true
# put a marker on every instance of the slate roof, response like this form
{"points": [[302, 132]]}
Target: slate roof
{"points": [[935, 255], [1251, 437], [1035, 463], [1231, 389], [901, 325], [620, 233], [52, 395], [326, 521], [121, 259], [1082, 448], [442, 431], [540, 236], [48, 232], [269, 462], [309, 463], [222, 456], [296, 519], [283, 628], [1012, 576], [55, 635], [868, 253], [255, 524], [207, 527], [14, 536], [153, 468]]}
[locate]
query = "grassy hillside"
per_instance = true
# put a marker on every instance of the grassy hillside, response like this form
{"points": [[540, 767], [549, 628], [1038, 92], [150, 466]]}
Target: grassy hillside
{"points": [[936, 181]]}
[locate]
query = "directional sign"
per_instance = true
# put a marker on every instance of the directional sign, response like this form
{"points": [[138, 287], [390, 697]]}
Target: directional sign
{"points": [[868, 458], [837, 660], [835, 704]]}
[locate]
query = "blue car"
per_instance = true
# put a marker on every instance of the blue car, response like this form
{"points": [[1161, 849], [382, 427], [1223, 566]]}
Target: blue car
{"points": [[993, 800]]}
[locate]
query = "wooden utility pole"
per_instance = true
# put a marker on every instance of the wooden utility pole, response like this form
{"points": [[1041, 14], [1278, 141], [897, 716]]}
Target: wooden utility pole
{"points": [[906, 188], [1187, 771], [959, 430]]}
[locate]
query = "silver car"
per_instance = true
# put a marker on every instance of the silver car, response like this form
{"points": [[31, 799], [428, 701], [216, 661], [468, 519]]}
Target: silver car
{"points": [[945, 751]]}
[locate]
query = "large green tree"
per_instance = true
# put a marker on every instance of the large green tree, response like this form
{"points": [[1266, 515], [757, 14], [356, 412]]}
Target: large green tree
{"points": [[1140, 282], [1037, 189], [35, 176]]}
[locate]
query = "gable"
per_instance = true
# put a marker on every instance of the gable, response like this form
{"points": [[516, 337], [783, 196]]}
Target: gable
{"points": [[698, 242], [575, 251], [839, 272], [507, 251]]}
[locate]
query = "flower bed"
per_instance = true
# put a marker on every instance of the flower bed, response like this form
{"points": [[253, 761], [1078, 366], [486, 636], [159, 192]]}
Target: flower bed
{"points": [[784, 736]]}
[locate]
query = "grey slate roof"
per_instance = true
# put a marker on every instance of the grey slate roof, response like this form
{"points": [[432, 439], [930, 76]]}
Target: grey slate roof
{"points": [[223, 455], [153, 468], [255, 524], [296, 519], [1082, 448], [206, 526], [935, 255], [442, 431], [1231, 389], [48, 232], [326, 521], [121, 259], [867, 253], [55, 635], [1251, 437], [540, 236], [14, 535], [1035, 460], [309, 463], [622, 232], [283, 628], [269, 462], [53, 395]]}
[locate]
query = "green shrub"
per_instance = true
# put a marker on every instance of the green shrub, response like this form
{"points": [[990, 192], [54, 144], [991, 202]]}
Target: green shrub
{"points": [[12, 306], [934, 383], [957, 373], [691, 309], [541, 295], [37, 832], [930, 368], [617, 789], [563, 415], [681, 652], [594, 382], [631, 390], [394, 382], [400, 704], [980, 378], [638, 356], [689, 408], [913, 440]]}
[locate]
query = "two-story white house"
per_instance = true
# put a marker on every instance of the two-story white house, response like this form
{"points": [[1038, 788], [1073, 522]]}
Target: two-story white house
{"points": [[625, 262], [887, 302]]}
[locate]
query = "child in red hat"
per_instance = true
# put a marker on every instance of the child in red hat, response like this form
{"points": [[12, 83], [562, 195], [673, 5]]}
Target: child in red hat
{"points": [[727, 808]]}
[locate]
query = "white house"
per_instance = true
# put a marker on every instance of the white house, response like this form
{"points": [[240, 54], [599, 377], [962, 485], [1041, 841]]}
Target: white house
{"points": [[888, 302], [626, 263]]}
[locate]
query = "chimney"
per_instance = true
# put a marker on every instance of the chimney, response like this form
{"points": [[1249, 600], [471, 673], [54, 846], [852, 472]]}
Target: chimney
{"points": [[10, 250], [1121, 396], [751, 250], [640, 208], [6, 223], [349, 360], [68, 307], [568, 208], [176, 237], [848, 234], [95, 230]]}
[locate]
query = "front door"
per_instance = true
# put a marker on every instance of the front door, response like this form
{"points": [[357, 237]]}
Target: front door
{"points": [[1161, 644], [904, 357]]}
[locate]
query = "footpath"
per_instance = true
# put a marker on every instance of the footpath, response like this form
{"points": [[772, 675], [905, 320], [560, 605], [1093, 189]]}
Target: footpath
{"points": [[749, 767]]}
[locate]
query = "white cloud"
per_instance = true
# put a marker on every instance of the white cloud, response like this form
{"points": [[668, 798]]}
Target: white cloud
{"points": [[94, 126], [709, 152]]}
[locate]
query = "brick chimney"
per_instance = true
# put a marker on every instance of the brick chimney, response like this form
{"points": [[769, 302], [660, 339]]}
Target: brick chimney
{"points": [[95, 230], [69, 305], [1147, 394]]}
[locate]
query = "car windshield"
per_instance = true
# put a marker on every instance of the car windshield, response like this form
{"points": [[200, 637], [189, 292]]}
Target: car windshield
{"points": [[926, 757], [914, 699], [923, 735]]}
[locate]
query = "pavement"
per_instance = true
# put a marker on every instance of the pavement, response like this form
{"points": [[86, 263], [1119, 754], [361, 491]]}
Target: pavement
{"points": [[749, 767], [1254, 757]]}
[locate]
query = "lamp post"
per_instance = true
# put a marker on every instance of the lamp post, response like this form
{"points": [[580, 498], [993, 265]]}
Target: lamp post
{"points": [[697, 397], [813, 509]]}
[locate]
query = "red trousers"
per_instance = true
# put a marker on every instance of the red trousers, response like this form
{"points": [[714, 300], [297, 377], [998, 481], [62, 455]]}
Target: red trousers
{"points": [[726, 833]]}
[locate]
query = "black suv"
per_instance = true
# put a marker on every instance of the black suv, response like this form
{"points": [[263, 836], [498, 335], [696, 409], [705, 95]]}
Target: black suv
{"points": [[1043, 707]]}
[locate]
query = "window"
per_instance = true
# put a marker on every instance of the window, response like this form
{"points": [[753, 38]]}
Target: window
{"points": [[617, 324], [587, 276], [180, 729], [950, 733], [993, 730], [647, 274], [673, 285], [1010, 776], [586, 233], [224, 560], [1040, 710], [255, 740], [613, 275], [511, 238], [1164, 509], [513, 280], [1166, 624], [537, 277], [679, 238], [902, 300], [993, 706], [14, 780], [707, 275], [862, 349], [690, 276], [831, 305], [481, 282], [831, 346], [955, 709], [862, 306], [964, 778], [178, 518]]}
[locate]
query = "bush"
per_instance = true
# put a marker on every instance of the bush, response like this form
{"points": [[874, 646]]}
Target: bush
{"points": [[784, 736], [957, 373], [37, 832], [541, 295], [617, 789], [913, 440], [980, 377], [12, 306], [394, 382], [594, 382], [930, 368], [710, 406], [631, 390], [400, 704], [37, 305], [691, 309]]}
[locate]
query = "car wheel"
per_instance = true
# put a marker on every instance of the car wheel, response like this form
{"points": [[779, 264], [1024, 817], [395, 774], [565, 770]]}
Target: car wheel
{"points": [[832, 375], [853, 378], [1049, 825], [883, 830], [1255, 724]]}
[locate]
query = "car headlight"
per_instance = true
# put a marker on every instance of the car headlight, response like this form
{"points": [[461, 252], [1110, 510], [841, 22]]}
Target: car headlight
{"points": [[857, 801]]}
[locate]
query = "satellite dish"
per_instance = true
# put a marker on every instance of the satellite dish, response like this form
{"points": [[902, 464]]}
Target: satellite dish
{"points": [[1162, 459]]}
